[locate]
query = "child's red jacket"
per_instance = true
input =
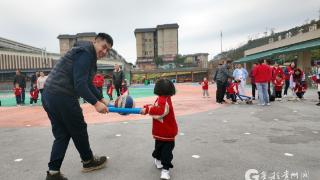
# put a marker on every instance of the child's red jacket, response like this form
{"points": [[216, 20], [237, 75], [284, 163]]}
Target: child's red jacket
{"points": [[98, 80], [34, 93], [205, 85], [232, 88], [278, 83], [17, 91], [166, 128]]}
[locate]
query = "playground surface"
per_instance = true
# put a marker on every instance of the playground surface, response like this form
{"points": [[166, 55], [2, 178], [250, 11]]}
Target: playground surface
{"points": [[220, 142]]}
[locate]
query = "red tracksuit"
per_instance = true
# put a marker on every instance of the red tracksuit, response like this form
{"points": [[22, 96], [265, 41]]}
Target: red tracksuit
{"points": [[262, 73], [278, 83], [164, 130], [232, 88], [205, 85], [34, 94], [17, 91], [167, 129], [98, 80], [276, 72]]}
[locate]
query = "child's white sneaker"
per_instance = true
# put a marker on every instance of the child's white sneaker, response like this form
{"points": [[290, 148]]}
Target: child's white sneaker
{"points": [[158, 163], [165, 174]]}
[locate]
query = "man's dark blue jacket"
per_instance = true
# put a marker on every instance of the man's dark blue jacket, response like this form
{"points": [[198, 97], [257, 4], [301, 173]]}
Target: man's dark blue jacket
{"points": [[74, 72]]}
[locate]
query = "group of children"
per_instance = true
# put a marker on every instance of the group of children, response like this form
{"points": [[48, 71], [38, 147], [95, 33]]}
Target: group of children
{"points": [[34, 94], [110, 87]]}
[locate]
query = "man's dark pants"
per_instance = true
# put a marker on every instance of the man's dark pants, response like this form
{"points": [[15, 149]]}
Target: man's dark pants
{"points": [[23, 95], [118, 89], [286, 87], [67, 122], [221, 90]]}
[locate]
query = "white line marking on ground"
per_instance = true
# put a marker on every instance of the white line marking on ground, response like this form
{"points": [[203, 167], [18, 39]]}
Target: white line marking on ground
{"points": [[118, 135], [295, 111], [225, 121], [125, 122], [18, 160], [181, 134], [247, 133], [288, 154], [315, 132], [276, 119], [195, 156]]}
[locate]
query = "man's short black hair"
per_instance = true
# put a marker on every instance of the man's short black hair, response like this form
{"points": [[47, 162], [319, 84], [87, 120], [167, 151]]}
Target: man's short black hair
{"points": [[164, 87], [106, 37]]}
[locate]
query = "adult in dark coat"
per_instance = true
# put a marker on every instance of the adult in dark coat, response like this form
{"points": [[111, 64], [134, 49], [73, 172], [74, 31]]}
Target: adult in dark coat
{"points": [[21, 80], [72, 78]]}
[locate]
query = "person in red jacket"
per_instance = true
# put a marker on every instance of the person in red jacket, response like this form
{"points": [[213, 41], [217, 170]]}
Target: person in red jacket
{"points": [[263, 75], [164, 126], [299, 89], [34, 94], [17, 90], [288, 72], [232, 90], [278, 83], [277, 70], [110, 89], [205, 87], [98, 81]]}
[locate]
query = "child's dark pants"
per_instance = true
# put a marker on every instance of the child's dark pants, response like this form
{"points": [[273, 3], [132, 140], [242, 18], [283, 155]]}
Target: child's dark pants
{"points": [[278, 94], [67, 122], [18, 99], [33, 101], [163, 152]]}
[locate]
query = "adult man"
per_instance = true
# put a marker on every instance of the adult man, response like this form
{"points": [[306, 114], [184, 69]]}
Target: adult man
{"points": [[117, 78], [262, 74], [21, 80], [221, 78], [241, 74], [34, 78], [70, 78], [288, 72]]}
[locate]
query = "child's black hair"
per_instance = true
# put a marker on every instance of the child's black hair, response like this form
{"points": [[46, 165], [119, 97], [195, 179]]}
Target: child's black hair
{"points": [[164, 87]]}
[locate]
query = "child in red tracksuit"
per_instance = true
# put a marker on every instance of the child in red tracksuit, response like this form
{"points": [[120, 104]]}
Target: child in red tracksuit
{"points": [[110, 89], [232, 90], [34, 94], [300, 89], [278, 83], [17, 92], [124, 89], [205, 87], [164, 126]]}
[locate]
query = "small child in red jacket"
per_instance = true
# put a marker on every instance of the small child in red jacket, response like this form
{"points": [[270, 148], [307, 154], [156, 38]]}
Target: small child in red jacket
{"points": [[17, 92], [34, 94], [205, 87], [278, 83], [300, 89], [110, 90], [164, 126], [232, 90]]}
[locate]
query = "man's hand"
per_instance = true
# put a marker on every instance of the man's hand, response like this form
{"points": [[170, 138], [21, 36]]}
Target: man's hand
{"points": [[104, 101], [101, 108]]}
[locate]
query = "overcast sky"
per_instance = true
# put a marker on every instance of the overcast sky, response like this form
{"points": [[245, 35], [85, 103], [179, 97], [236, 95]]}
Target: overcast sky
{"points": [[39, 22]]}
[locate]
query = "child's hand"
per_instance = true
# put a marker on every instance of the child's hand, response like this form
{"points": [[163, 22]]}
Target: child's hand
{"points": [[143, 111]]}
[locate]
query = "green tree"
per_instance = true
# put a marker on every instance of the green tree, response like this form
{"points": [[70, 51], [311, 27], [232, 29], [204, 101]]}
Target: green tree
{"points": [[158, 61], [179, 60]]}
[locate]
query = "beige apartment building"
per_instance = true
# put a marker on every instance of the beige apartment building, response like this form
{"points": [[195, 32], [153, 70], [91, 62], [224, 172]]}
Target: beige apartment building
{"points": [[106, 64], [15, 55], [151, 43]]}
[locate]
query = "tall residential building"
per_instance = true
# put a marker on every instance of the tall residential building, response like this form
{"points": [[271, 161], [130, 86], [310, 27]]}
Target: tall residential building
{"points": [[106, 64], [151, 43]]}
